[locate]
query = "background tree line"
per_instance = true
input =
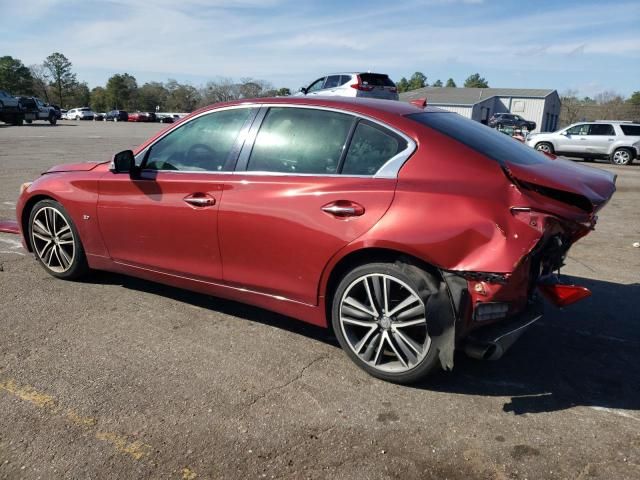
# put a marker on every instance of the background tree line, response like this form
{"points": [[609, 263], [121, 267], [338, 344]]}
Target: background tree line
{"points": [[55, 82], [607, 105], [419, 80]]}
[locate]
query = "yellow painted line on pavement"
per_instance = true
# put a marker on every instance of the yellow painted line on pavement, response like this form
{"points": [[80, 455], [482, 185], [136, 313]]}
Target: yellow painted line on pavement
{"points": [[135, 449]]}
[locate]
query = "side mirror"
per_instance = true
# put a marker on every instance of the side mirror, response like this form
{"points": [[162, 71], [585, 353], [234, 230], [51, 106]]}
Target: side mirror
{"points": [[123, 162], [303, 90]]}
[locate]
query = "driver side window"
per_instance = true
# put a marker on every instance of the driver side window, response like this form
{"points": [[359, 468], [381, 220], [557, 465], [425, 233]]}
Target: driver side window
{"points": [[315, 86], [203, 144], [581, 129]]}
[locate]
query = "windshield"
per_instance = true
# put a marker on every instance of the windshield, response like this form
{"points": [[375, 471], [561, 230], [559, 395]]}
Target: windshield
{"points": [[489, 142]]}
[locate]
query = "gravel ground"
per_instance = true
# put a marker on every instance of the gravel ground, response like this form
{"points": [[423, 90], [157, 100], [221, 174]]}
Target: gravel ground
{"points": [[120, 378]]}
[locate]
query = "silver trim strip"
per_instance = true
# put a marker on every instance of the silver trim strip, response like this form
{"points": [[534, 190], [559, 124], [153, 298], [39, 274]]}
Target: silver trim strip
{"points": [[389, 170], [222, 285]]}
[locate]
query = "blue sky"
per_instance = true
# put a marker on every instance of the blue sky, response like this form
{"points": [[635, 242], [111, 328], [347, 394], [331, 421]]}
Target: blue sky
{"points": [[587, 46]]}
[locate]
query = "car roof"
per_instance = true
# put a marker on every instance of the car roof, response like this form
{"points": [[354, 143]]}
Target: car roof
{"points": [[366, 106]]}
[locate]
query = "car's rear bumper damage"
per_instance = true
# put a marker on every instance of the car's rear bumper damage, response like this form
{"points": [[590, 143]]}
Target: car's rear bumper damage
{"points": [[492, 341]]}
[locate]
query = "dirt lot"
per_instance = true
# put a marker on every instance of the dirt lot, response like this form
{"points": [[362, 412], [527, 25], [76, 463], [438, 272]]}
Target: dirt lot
{"points": [[120, 378]]}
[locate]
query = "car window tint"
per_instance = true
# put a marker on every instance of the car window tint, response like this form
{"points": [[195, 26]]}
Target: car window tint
{"points": [[491, 143], [582, 129], [344, 79], [201, 144], [601, 129], [300, 140], [376, 79], [333, 81], [631, 130], [315, 86], [370, 148]]}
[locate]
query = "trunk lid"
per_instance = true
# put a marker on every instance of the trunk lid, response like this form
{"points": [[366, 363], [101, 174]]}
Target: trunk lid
{"points": [[587, 188]]}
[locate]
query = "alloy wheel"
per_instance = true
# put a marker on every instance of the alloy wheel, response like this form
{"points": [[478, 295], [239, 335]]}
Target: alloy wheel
{"points": [[384, 323], [53, 240], [543, 148], [621, 157]]}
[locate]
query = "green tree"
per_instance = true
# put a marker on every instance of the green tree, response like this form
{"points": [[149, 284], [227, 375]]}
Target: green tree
{"points": [[98, 100], [634, 99], [417, 80], [63, 80], [403, 85], [283, 92], [182, 98], [40, 81], [450, 83], [152, 95], [15, 77], [437, 83], [79, 95], [475, 81], [121, 92]]}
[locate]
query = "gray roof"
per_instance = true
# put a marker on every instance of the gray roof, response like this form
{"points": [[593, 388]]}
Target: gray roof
{"points": [[470, 96]]}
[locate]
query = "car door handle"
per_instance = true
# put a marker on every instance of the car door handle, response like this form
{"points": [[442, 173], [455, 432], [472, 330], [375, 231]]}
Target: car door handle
{"points": [[200, 200], [343, 208]]}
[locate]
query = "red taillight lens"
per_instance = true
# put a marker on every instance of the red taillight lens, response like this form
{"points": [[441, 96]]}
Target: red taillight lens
{"points": [[563, 295], [359, 86]]}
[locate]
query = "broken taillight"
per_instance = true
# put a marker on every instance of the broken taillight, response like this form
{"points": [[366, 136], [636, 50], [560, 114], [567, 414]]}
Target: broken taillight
{"points": [[563, 295]]}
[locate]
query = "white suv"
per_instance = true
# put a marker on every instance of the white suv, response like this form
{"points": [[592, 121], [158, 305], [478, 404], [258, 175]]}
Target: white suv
{"points": [[617, 141], [370, 85], [84, 113]]}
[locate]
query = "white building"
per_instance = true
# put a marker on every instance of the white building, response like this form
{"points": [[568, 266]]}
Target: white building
{"points": [[536, 105]]}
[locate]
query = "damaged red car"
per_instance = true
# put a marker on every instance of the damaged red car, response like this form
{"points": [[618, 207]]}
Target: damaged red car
{"points": [[408, 232]]}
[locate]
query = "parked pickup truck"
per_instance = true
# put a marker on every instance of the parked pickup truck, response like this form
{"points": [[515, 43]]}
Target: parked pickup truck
{"points": [[36, 109], [10, 109]]}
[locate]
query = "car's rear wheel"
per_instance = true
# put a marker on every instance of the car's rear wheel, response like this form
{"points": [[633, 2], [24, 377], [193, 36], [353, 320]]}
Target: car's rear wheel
{"points": [[380, 316], [53, 119], [55, 241], [544, 147], [622, 156]]}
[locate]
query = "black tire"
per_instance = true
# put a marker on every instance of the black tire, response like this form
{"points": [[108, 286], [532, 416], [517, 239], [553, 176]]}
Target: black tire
{"points": [[53, 119], [60, 264], [545, 147], [17, 121], [421, 283], [29, 122], [621, 156]]}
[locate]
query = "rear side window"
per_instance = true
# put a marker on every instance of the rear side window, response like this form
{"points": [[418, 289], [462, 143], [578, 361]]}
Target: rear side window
{"points": [[631, 130], [370, 148], [481, 138], [300, 140], [376, 80], [601, 129]]}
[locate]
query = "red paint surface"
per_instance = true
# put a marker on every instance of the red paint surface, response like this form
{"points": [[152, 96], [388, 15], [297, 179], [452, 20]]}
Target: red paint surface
{"points": [[267, 241]]}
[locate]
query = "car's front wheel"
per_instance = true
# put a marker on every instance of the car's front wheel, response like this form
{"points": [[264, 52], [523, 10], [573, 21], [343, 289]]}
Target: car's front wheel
{"points": [[544, 147], [622, 156], [381, 318], [55, 241]]}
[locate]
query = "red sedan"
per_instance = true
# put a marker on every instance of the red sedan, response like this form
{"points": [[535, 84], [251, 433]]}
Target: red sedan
{"points": [[138, 117], [408, 232]]}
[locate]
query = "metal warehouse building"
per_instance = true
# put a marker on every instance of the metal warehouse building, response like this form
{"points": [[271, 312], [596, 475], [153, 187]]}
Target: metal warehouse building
{"points": [[537, 105]]}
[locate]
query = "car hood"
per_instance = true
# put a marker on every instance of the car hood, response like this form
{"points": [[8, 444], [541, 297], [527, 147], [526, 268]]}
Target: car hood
{"points": [[587, 188], [74, 167]]}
